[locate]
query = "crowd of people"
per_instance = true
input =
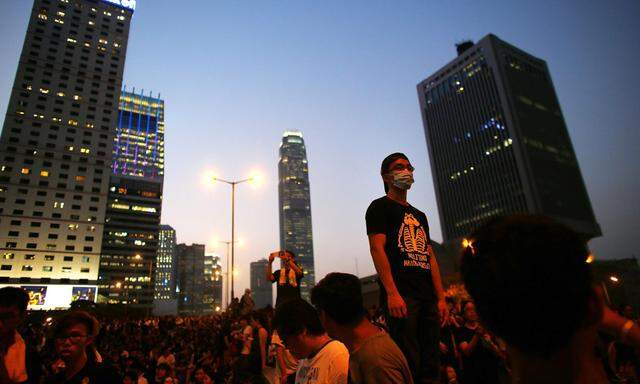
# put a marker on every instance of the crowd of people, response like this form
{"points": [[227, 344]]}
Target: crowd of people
{"points": [[533, 314]]}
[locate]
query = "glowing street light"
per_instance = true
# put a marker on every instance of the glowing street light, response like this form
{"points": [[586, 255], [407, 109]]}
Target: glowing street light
{"points": [[590, 259], [254, 178], [614, 279]]}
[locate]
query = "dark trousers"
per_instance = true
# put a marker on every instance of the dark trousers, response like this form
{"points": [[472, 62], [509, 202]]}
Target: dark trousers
{"points": [[418, 335]]}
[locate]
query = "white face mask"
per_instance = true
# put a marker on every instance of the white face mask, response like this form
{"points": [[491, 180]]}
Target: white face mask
{"points": [[402, 179]]}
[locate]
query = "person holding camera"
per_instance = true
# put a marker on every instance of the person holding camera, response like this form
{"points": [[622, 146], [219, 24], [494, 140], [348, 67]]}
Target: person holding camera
{"points": [[287, 277]]}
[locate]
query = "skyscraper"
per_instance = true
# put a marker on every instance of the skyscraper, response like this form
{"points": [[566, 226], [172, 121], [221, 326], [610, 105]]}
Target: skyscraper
{"points": [[295, 206], [498, 142], [56, 146], [164, 299], [213, 282], [191, 282], [261, 288], [130, 241]]}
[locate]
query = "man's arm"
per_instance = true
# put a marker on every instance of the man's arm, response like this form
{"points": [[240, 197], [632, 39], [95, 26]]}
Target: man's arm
{"points": [[268, 271], [395, 302], [262, 334], [294, 267], [437, 286]]}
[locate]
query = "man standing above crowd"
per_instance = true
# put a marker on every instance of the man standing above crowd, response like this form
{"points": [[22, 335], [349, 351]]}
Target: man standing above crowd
{"points": [[374, 357], [287, 278], [408, 273], [322, 359]]}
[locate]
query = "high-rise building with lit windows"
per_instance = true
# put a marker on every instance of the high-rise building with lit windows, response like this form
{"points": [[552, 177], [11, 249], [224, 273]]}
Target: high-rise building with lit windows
{"points": [[190, 280], [132, 223], [164, 299], [55, 148], [498, 142], [212, 295], [295, 206], [139, 144]]}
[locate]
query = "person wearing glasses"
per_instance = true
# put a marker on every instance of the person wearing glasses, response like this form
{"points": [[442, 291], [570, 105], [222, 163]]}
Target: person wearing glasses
{"points": [[411, 291], [73, 336]]}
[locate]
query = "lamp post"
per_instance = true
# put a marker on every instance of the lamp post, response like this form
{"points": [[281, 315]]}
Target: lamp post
{"points": [[226, 280], [233, 218]]}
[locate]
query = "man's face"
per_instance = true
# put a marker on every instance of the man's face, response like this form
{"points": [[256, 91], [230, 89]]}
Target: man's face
{"points": [[10, 318], [298, 345], [199, 376], [470, 312], [71, 343], [397, 166]]}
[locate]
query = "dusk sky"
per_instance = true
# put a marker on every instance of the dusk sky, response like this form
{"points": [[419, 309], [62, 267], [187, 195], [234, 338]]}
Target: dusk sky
{"points": [[236, 74]]}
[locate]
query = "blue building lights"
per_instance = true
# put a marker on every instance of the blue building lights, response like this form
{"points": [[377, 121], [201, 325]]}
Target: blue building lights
{"points": [[139, 141]]}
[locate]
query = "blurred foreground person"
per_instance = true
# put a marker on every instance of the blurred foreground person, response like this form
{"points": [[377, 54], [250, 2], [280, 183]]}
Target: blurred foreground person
{"points": [[73, 335], [322, 359], [18, 362], [533, 288], [374, 357]]}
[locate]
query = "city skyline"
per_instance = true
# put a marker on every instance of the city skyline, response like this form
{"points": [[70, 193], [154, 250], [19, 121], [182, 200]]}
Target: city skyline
{"points": [[345, 75]]}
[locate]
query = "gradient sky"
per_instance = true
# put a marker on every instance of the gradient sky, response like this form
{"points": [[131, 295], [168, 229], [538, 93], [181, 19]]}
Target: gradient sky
{"points": [[236, 74]]}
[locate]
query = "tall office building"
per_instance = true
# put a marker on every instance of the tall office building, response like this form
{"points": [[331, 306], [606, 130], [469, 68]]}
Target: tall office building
{"points": [[164, 299], [56, 147], [190, 281], [261, 288], [213, 282], [295, 206], [130, 240], [498, 142]]}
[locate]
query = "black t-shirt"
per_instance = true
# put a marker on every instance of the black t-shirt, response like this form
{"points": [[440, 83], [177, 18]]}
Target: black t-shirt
{"points": [[407, 232], [94, 373], [286, 291], [482, 365]]}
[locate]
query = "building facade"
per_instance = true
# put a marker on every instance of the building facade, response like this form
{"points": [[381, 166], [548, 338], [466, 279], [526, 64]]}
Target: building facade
{"points": [[213, 282], [295, 206], [164, 298], [498, 142], [261, 288], [191, 281], [55, 148], [130, 240]]}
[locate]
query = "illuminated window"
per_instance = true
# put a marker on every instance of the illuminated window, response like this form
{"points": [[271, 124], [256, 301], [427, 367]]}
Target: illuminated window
{"points": [[47, 268], [44, 173], [79, 178], [25, 171]]}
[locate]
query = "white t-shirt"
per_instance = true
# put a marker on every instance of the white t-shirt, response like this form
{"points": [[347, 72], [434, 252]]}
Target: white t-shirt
{"points": [[330, 365]]}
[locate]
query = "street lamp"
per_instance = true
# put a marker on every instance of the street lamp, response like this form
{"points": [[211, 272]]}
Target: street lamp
{"points": [[233, 217], [227, 274]]}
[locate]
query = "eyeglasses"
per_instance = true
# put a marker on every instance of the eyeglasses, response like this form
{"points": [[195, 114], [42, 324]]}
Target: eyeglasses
{"points": [[73, 338], [402, 167]]}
